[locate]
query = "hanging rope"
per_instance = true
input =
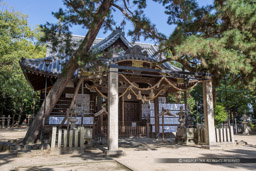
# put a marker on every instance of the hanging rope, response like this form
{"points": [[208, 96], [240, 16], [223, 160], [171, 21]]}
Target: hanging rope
{"points": [[142, 89], [157, 84], [95, 88], [160, 91]]}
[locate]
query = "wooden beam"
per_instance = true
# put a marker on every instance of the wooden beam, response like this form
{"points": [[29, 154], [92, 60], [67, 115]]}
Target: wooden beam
{"points": [[156, 103], [140, 79]]}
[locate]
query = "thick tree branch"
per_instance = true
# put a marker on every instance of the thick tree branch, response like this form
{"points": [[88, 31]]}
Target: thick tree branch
{"points": [[126, 7], [73, 6], [134, 20], [186, 64]]}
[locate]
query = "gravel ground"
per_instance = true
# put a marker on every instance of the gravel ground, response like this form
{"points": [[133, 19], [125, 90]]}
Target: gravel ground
{"points": [[140, 154]]}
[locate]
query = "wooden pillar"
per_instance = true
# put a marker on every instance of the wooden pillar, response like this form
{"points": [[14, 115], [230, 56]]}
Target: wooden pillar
{"points": [[99, 106], [123, 127], [163, 127], [140, 109], [208, 114], [113, 109], [156, 103]]}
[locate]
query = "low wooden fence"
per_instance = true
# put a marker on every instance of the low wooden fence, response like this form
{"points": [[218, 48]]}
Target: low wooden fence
{"points": [[74, 138], [128, 131], [223, 135]]}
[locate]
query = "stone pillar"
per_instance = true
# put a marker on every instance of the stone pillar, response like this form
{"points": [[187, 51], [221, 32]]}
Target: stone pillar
{"points": [[29, 116], [113, 109], [53, 141], [208, 114], [19, 119], [3, 121], [8, 121]]}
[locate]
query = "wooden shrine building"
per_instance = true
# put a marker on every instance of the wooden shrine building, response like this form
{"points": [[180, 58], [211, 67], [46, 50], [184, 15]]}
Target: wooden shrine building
{"points": [[123, 93]]}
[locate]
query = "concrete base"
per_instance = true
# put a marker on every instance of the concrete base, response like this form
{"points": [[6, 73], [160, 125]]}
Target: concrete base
{"points": [[113, 153]]}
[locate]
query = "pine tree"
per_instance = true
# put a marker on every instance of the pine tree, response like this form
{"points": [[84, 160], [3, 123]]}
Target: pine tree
{"points": [[93, 16]]}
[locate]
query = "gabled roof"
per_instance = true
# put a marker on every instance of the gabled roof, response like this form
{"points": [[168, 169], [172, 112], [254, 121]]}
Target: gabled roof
{"points": [[99, 45], [110, 40]]}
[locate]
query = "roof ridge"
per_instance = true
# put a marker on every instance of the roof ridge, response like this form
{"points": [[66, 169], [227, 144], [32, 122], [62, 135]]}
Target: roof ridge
{"points": [[109, 40]]}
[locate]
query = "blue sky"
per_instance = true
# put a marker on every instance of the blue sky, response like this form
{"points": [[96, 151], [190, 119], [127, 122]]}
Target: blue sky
{"points": [[39, 12]]}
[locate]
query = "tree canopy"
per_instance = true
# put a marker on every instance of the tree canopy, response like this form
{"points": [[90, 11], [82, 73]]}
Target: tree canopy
{"points": [[16, 40], [219, 38]]}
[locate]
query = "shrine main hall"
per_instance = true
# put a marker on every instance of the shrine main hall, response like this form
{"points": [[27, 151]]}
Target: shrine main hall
{"points": [[123, 93]]}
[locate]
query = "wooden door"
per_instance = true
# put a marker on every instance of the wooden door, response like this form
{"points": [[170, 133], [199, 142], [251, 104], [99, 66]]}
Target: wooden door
{"points": [[131, 112]]}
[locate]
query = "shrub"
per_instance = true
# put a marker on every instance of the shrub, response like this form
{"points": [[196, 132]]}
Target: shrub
{"points": [[220, 114]]}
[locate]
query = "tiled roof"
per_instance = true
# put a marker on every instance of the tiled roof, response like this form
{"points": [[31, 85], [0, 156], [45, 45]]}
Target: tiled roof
{"points": [[99, 45]]}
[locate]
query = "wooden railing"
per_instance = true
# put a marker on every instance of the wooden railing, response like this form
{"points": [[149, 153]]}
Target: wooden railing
{"points": [[128, 131]]}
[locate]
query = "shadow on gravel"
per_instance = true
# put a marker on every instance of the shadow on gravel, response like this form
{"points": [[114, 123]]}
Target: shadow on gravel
{"points": [[6, 158], [138, 144], [146, 144], [236, 153], [39, 168]]}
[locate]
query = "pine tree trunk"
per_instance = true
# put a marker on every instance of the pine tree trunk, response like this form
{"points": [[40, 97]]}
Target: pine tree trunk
{"points": [[67, 72]]}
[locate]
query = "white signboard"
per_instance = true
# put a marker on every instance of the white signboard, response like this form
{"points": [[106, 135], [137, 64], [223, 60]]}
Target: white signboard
{"points": [[133, 124], [54, 120], [167, 129], [82, 104], [169, 121], [88, 120]]}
